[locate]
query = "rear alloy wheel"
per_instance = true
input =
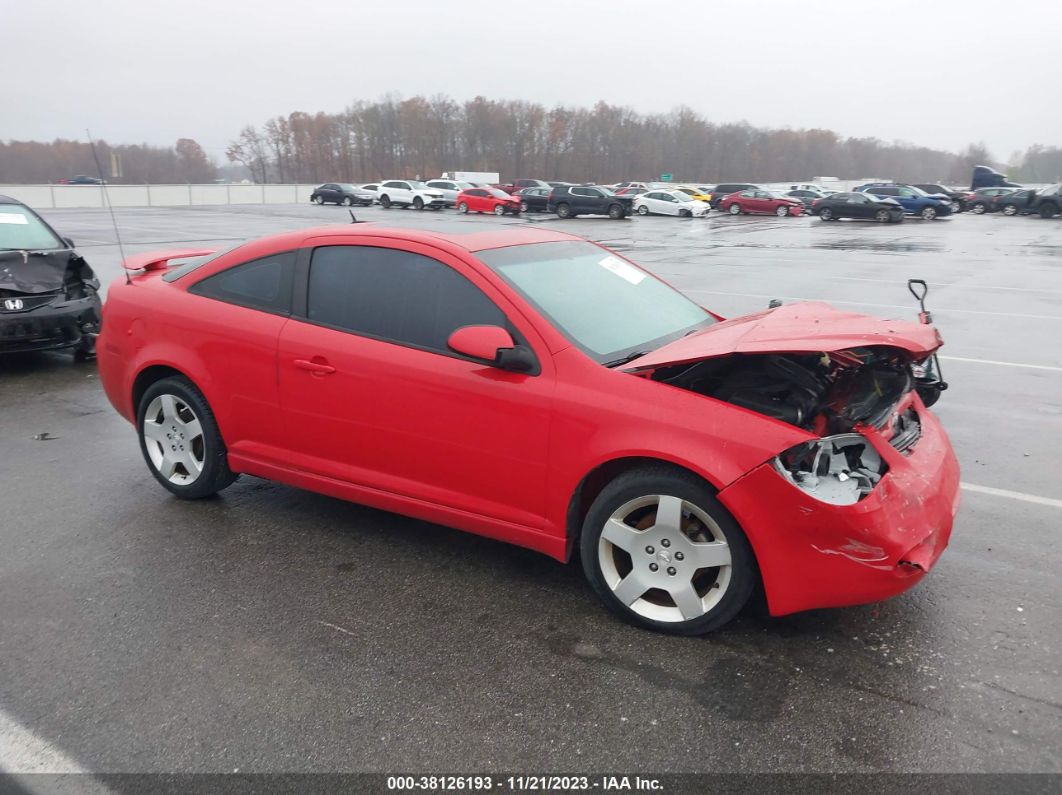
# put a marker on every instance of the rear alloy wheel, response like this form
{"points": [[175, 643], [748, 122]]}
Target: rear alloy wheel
{"points": [[978, 208], [928, 213], [663, 553], [734, 209], [180, 440], [418, 203], [319, 198], [643, 210], [782, 211], [564, 210], [882, 216], [463, 208], [385, 202], [826, 214], [499, 209]]}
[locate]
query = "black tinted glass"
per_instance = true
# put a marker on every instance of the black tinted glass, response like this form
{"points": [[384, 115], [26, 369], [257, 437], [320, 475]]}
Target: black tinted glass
{"points": [[261, 284], [395, 295]]}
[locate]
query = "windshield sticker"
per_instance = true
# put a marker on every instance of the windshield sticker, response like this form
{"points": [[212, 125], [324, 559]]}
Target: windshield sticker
{"points": [[622, 269], [12, 218]]}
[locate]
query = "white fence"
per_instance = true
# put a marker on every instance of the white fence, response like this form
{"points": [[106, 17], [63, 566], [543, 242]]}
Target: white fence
{"points": [[61, 196]]}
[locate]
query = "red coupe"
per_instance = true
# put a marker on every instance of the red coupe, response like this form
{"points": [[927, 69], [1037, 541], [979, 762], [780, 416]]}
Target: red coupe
{"points": [[487, 200], [761, 201], [537, 388]]}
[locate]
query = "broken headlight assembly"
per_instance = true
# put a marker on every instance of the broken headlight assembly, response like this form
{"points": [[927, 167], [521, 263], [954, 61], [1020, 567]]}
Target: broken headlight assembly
{"points": [[839, 470]]}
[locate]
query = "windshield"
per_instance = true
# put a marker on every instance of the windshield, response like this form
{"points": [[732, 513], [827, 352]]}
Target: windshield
{"points": [[606, 306], [20, 229], [497, 192], [687, 191], [777, 194]]}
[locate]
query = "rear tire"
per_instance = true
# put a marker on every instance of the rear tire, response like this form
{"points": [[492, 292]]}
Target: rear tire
{"points": [[826, 214], [418, 203], [1010, 209], [385, 202], [180, 440], [978, 208], [643, 579]]}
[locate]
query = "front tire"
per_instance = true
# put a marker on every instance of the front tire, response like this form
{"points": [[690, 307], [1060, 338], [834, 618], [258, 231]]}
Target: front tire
{"points": [[347, 201], [1048, 211], [615, 212], [978, 208], [826, 214], [734, 209], [385, 202], [928, 213], [663, 553], [882, 216], [782, 211], [318, 199], [180, 440], [643, 210], [1010, 209], [499, 209], [564, 210], [418, 203]]}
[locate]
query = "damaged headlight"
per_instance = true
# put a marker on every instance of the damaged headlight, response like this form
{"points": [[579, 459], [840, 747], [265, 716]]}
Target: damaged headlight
{"points": [[840, 470]]}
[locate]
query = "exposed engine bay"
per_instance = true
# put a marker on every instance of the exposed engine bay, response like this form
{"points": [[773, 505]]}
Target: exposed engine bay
{"points": [[827, 393]]}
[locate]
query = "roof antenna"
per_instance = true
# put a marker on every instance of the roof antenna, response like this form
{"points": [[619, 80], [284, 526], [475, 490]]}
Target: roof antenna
{"points": [[354, 220], [107, 201]]}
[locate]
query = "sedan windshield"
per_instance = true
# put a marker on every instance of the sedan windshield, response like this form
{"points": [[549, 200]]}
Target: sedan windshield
{"points": [[609, 308], [498, 193], [20, 229]]}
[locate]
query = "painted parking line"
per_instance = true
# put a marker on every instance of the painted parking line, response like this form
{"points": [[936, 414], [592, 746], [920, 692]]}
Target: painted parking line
{"points": [[1012, 495], [1002, 364], [22, 751]]}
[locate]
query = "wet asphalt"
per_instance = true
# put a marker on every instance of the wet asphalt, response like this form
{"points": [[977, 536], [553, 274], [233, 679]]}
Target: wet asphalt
{"points": [[273, 629]]}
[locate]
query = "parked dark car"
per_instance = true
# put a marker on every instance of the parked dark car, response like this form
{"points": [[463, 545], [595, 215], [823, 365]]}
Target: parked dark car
{"points": [[520, 184], [724, 189], [81, 179], [985, 177], [534, 200], [863, 206], [983, 199], [342, 193], [49, 296], [1047, 202], [1018, 202], [805, 196], [913, 200], [570, 201], [959, 198]]}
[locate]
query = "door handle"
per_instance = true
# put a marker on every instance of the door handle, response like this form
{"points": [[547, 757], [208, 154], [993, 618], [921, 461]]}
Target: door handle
{"points": [[317, 366]]}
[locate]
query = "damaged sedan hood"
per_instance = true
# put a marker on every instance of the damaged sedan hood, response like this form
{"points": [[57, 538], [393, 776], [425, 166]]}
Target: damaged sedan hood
{"points": [[804, 327], [32, 272]]}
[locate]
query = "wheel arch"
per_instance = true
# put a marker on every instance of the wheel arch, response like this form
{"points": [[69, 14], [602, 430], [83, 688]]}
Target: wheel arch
{"points": [[152, 374], [601, 475]]}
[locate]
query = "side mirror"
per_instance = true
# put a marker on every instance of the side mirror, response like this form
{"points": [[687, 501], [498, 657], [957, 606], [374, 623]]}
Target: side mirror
{"points": [[494, 345]]}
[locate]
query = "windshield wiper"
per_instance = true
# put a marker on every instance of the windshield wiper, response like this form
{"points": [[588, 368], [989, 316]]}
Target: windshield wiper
{"points": [[630, 357]]}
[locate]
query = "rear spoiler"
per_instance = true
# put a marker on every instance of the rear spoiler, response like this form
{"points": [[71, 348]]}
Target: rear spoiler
{"points": [[157, 260]]}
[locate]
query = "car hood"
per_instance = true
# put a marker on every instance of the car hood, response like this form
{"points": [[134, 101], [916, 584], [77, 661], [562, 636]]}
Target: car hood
{"points": [[39, 272], [804, 327]]}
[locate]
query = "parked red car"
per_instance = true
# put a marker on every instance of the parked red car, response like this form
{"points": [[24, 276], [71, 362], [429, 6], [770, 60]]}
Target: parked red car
{"points": [[487, 200], [763, 202], [537, 388]]}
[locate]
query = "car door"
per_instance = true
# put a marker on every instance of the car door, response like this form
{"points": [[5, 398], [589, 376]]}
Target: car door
{"points": [[373, 397], [859, 205], [477, 200]]}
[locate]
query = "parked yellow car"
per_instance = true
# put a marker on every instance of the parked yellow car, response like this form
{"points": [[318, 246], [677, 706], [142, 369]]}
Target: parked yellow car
{"points": [[698, 193]]}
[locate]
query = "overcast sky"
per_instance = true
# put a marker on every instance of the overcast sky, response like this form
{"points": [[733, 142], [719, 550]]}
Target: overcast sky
{"points": [[930, 72]]}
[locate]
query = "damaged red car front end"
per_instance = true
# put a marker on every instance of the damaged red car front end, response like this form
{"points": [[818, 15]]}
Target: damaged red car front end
{"points": [[863, 508]]}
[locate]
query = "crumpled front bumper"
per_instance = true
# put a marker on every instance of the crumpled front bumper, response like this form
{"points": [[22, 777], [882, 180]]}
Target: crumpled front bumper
{"points": [[57, 325], [813, 554]]}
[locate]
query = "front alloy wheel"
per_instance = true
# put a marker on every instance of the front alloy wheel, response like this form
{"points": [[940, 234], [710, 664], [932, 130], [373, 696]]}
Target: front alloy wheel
{"points": [[499, 209], [826, 214], [735, 209], [663, 553], [978, 208], [782, 211], [928, 213]]}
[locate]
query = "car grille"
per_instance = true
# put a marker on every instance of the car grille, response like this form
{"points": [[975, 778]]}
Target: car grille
{"points": [[29, 300], [907, 430]]}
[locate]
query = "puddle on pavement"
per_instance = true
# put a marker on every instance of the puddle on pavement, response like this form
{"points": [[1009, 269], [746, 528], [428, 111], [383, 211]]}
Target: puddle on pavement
{"points": [[858, 244]]}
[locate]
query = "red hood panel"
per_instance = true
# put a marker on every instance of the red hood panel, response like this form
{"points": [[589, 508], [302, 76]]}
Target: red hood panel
{"points": [[805, 327]]}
